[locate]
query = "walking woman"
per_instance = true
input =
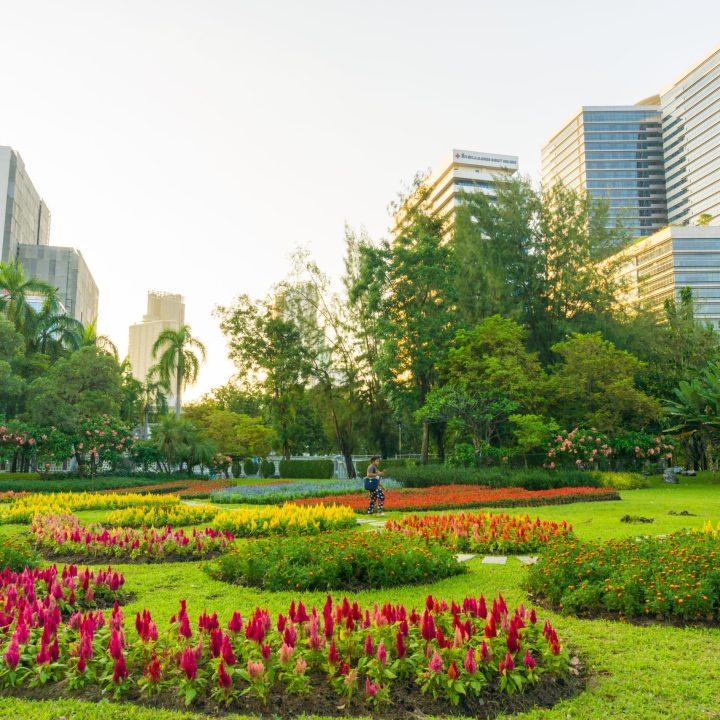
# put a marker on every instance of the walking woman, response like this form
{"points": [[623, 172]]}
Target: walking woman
{"points": [[374, 487]]}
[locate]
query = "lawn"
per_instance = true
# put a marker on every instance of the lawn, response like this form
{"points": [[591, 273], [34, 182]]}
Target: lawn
{"points": [[639, 672]]}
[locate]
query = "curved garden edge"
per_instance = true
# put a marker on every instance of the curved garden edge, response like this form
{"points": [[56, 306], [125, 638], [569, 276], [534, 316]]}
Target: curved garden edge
{"points": [[407, 701], [90, 560]]}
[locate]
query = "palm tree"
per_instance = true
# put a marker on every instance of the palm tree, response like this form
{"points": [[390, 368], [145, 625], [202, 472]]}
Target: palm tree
{"points": [[153, 398], [51, 331], [101, 342], [177, 359], [15, 287]]}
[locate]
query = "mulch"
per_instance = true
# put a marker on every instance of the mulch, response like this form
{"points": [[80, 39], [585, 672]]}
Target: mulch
{"points": [[407, 700]]}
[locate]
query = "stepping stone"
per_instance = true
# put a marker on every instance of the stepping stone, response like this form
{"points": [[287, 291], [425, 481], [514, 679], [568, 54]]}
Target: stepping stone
{"points": [[464, 557], [527, 559], [365, 522], [494, 560]]}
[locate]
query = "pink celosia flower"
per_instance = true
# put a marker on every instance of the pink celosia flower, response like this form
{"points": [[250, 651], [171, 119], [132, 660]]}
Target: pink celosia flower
{"points": [[382, 653], [470, 664], [255, 669], [529, 661], [436, 663], [286, 653], [371, 688]]}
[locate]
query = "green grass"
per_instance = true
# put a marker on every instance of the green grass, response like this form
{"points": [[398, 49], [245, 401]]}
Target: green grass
{"points": [[637, 672]]}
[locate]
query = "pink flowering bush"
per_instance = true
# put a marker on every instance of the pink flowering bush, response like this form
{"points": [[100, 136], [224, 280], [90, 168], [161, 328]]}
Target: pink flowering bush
{"points": [[590, 449], [63, 536], [449, 651], [578, 448]]}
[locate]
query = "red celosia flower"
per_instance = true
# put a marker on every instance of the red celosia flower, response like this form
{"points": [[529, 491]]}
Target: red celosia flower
{"points": [[227, 651], [470, 664], [188, 664], [120, 671], [224, 680], [333, 654], [12, 654], [236, 624], [529, 661], [400, 645]]}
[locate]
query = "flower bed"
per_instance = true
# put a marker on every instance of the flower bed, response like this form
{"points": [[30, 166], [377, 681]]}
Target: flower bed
{"points": [[482, 532], [32, 597], [335, 561], [286, 520], [184, 488], [669, 578], [160, 516], [458, 496], [23, 509], [293, 490], [63, 536], [467, 655]]}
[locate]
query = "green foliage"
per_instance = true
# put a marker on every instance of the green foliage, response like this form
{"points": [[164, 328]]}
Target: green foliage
{"points": [[533, 479], [532, 431], [57, 483], [622, 480], [315, 469], [267, 469], [233, 433], [388, 465], [179, 442], [250, 467], [17, 554], [335, 561], [667, 578], [462, 456], [88, 383], [595, 385]]}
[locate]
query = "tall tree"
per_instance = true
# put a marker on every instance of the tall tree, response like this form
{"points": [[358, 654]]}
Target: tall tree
{"points": [[175, 353], [266, 347], [412, 286]]}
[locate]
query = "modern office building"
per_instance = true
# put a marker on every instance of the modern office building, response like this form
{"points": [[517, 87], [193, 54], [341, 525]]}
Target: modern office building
{"points": [[691, 142], [165, 311], [24, 217], [654, 269], [462, 171], [26, 237], [66, 269], [615, 153]]}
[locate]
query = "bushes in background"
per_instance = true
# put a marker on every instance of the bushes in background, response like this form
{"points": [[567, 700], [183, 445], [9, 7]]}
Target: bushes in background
{"points": [[250, 467], [267, 469], [300, 469]]}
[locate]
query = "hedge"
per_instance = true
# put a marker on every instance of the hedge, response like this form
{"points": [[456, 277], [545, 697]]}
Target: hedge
{"points": [[301, 469], [250, 467], [267, 469], [75, 484], [533, 479]]}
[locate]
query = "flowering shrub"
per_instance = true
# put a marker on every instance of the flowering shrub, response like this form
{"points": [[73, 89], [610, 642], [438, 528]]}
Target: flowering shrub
{"points": [[220, 462], [582, 448], [292, 490], [286, 520], [452, 652], [338, 560], [62, 535], [459, 496], [590, 448], [159, 516], [664, 577], [482, 532], [23, 509]]}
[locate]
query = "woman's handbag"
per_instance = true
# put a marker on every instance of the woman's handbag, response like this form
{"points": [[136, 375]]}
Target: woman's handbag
{"points": [[371, 484]]}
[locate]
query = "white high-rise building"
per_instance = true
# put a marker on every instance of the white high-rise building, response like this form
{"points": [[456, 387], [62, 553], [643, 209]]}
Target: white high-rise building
{"points": [[462, 171], [165, 311]]}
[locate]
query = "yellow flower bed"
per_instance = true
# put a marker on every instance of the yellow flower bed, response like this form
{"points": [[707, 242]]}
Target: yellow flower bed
{"points": [[23, 509], [159, 516], [710, 530], [289, 519]]}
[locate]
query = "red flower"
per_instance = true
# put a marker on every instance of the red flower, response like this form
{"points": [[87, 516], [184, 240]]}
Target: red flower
{"points": [[224, 680], [453, 671], [188, 664], [120, 671]]}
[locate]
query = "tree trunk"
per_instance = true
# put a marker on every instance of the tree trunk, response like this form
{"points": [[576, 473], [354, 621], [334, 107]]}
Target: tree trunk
{"points": [[178, 385], [343, 444], [425, 442], [146, 428]]}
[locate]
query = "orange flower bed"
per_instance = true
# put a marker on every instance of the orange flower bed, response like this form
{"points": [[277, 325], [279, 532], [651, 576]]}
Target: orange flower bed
{"points": [[458, 496]]}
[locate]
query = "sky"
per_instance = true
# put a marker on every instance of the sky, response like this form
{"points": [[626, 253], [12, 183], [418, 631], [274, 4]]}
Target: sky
{"points": [[191, 147]]}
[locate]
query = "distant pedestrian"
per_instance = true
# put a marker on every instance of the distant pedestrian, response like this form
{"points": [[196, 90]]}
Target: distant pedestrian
{"points": [[374, 486]]}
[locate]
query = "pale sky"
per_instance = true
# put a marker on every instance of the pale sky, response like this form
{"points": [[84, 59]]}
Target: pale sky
{"points": [[190, 147]]}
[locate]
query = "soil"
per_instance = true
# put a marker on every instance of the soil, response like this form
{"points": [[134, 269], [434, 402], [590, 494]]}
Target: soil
{"points": [[682, 513], [407, 700]]}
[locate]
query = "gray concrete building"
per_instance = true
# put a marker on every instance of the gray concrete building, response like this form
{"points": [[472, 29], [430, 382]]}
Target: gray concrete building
{"points": [[26, 238], [24, 217], [66, 269]]}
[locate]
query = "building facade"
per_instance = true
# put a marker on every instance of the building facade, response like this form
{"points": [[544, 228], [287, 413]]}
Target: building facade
{"points": [[655, 269], [26, 236], [66, 269], [462, 171], [24, 217], [691, 143], [616, 154], [165, 311]]}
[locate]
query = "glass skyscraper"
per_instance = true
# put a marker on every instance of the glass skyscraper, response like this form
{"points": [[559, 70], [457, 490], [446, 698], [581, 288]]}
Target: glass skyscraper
{"points": [[615, 153], [691, 139]]}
